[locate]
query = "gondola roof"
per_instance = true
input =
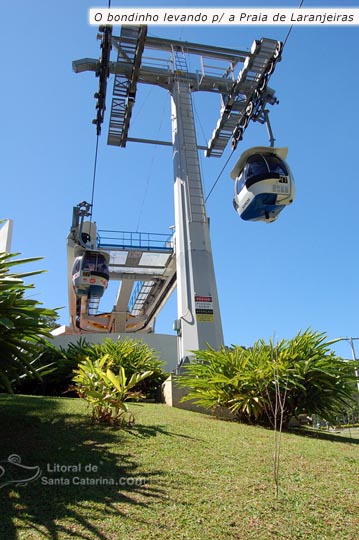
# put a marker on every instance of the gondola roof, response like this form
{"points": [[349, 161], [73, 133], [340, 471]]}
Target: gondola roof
{"points": [[80, 251], [241, 163]]}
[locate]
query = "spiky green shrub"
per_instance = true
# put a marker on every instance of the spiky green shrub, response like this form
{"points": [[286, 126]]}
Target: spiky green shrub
{"points": [[23, 324], [319, 382], [107, 392], [58, 380], [230, 378], [134, 356], [304, 372]]}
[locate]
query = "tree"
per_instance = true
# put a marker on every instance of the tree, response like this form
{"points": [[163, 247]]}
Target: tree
{"points": [[23, 323]]}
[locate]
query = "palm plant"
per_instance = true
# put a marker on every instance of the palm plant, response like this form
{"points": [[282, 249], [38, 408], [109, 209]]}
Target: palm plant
{"points": [[134, 355], [320, 382], [231, 377], [23, 323], [303, 373]]}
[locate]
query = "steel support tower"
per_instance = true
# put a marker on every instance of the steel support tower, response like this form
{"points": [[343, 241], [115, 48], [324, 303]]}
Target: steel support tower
{"points": [[199, 320], [240, 77]]}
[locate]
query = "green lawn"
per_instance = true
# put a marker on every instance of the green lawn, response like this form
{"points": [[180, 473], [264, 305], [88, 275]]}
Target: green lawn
{"points": [[180, 475]]}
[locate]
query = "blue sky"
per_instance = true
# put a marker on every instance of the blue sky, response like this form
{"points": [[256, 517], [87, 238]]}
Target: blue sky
{"points": [[273, 280]]}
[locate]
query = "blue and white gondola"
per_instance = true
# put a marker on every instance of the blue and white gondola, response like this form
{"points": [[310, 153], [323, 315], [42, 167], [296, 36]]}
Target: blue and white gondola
{"points": [[264, 184]]}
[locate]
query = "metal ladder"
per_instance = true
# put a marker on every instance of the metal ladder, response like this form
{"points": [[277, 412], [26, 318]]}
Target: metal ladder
{"points": [[130, 50], [139, 297], [179, 60], [197, 210], [194, 184]]}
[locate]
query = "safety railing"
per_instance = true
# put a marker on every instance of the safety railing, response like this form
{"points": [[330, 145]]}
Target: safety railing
{"points": [[134, 240]]}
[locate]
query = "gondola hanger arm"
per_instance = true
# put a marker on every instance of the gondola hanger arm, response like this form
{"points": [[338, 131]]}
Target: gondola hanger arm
{"points": [[269, 128]]}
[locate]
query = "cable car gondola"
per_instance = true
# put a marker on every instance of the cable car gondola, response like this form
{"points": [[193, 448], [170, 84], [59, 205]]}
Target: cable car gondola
{"points": [[264, 184], [90, 274]]}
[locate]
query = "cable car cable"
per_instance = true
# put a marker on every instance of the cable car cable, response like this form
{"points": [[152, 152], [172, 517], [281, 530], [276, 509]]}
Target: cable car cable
{"points": [[225, 165], [290, 29], [149, 175], [219, 176], [94, 178], [95, 161]]}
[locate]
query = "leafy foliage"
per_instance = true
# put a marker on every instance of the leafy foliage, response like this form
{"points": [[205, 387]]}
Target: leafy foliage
{"points": [[106, 392], [23, 324], [307, 375], [63, 361], [134, 356]]}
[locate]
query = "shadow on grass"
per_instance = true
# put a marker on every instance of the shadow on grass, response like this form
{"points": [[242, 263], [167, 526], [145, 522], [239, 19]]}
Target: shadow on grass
{"points": [[325, 435], [83, 479], [145, 432]]}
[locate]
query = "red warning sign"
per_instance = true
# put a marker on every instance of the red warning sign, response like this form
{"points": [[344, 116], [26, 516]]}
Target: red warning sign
{"points": [[204, 308]]}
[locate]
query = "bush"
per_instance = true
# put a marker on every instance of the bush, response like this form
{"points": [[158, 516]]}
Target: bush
{"points": [[307, 376], [107, 392], [134, 356], [63, 362]]}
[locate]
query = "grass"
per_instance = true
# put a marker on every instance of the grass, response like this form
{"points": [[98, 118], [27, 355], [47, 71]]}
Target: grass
{"points": [[198, 478]]}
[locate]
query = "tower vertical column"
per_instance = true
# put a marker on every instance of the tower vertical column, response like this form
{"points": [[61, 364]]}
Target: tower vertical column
{"points": [[198, 306], [6, 236]]}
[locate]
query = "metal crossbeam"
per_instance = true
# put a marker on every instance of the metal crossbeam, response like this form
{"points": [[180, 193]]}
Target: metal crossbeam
{"points": [[242, 99]]}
